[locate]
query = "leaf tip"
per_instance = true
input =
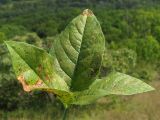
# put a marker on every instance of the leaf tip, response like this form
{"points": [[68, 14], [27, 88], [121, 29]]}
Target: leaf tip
{"points": [[151, 88], [148, 88], [87, 12]]}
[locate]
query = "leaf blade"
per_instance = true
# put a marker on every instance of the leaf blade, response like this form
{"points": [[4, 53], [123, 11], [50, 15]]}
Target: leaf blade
{"points": [[115, 83], [122, 84], [32, 64], [79, 50]]}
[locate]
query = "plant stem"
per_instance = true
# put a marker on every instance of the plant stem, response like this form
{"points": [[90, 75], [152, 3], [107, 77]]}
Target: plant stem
{"points": [[65, 114]]}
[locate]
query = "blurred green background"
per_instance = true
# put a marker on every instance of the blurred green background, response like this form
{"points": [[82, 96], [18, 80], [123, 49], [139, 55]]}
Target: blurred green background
{"points": [[132, 32]]}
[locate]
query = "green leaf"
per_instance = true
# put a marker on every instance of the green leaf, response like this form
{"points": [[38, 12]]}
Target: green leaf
{"points": [[34, 69], [78, 51], [115, 83]]}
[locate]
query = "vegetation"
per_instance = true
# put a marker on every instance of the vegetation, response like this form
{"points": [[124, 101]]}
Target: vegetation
{"points": [[131, 30]]}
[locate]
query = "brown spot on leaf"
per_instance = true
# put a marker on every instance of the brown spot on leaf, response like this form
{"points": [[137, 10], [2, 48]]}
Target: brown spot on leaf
{"points": [[47, 78], [27, 87], [39, 83], [39, 68], [87, 12]]}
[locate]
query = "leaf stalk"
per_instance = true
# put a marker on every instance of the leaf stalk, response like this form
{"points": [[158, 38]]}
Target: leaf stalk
{"points": [[65, 114]]}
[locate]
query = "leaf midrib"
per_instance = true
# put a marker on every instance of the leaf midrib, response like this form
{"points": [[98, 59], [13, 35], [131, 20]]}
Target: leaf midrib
{"points": [[79, 50]]}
